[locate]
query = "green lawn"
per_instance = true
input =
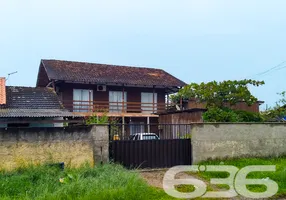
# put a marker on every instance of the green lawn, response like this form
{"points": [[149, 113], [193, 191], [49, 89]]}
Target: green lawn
{"points": [[279, 176], [103, 182]]}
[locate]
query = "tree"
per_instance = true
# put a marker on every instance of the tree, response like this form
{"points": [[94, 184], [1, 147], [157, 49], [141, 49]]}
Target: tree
{"points": [[217, 94], [278, 112]]}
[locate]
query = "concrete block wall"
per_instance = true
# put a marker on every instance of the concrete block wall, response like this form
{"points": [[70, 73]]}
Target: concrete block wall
{"points": [[221, 140], [73, 145]]}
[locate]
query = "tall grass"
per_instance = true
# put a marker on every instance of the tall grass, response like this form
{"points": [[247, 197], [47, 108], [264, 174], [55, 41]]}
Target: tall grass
{"points": [[103, 182], [279, 176]]}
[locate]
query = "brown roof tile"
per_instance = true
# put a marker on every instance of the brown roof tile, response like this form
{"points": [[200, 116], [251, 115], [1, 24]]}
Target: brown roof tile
{"points": [[108, 74], [32, 98], [32, 102]]}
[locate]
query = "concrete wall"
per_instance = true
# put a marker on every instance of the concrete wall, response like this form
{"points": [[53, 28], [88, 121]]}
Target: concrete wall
{"points": [[72, 145], [237, 140]]}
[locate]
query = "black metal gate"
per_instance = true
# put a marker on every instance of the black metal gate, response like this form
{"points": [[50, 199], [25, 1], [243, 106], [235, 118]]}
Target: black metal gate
{"points": [[151, 153]]}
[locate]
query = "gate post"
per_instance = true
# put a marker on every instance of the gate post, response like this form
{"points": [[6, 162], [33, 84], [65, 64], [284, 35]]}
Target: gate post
{"points": [[100, 139]]}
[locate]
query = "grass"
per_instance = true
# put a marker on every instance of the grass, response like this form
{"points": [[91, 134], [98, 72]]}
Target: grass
{"points": [[103, 182], [279, 176]]}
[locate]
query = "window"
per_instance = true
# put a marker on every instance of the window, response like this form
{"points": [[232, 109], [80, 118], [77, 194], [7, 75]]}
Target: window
{"points": [[116, 101], [149, 137], [147, 104], [82, 100]]}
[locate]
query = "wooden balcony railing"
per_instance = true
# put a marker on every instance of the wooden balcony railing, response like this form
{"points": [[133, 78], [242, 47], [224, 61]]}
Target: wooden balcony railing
{"points": [[115, 107]]}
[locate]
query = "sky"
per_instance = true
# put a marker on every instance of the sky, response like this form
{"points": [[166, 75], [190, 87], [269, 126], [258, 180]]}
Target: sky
{"points": [[194, 40]]}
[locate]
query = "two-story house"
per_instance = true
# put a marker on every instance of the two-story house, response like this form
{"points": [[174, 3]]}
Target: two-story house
{"points": [[131, 94]]}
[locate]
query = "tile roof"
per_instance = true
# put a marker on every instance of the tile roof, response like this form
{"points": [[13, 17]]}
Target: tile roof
{"points": [[18, 112], [108, 74], [32, 102], [32, 98]]}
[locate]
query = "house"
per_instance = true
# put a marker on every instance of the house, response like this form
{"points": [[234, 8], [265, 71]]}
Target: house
{"points": [[30, 107], [193, 103], [129, 94]]}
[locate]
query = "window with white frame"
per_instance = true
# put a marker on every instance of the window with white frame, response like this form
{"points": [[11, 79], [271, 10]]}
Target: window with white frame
{"points": [[148, 102], [117, 102], [82, 100]]}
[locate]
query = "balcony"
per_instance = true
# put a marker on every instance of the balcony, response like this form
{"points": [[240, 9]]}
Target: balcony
{"points": [[116, 108]]}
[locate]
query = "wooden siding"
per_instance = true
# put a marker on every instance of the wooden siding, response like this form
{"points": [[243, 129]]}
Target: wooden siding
{"points": [[43, 79], [181, 117], [133, 94]]}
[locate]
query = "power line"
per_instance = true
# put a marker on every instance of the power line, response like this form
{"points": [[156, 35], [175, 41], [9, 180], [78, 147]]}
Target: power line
{"points": [[280, 68], [269, 70], [277, 69]]}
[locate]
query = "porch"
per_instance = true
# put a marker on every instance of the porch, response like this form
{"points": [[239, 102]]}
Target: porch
{"points": [[118, 108]]}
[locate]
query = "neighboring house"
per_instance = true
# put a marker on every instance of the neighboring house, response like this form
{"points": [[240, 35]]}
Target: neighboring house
{"points": [[192, 103], [30, 106], [130, 94]]}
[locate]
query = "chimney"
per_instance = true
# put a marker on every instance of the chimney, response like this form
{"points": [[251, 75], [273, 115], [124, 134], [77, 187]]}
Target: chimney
{"points": [[2, 90]]}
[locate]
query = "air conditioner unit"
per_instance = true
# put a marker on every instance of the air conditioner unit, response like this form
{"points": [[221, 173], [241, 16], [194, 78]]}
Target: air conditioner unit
{"points": [[101, 88]]}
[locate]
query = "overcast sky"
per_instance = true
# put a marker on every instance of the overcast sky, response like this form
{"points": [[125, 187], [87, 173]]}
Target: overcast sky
{"points": [[195, 40]]}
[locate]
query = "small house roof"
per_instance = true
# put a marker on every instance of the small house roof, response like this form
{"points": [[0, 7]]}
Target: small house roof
{"points": [[32, 102]]}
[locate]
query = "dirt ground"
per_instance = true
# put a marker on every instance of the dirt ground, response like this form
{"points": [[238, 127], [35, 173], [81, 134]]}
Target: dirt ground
{"points": [[155, 179]]}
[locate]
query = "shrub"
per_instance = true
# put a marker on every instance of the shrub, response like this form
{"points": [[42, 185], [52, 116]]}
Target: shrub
{"points": [[96, 119], [215, 114], [220, 115], [245, 116]]}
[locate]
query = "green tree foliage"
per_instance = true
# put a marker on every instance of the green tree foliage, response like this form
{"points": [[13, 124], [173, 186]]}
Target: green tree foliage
{"points": [[216, 94], [245, 116], [277, 112], [96, 119], [215, 114]]}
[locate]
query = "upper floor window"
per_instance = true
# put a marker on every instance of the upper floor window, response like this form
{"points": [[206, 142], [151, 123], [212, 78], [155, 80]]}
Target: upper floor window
{"points": [[117, 101], [148, 102], [82, 100]]}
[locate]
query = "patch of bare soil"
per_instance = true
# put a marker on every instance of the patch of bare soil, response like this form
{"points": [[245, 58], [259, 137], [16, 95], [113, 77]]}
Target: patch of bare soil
{"points": [[155, 179]]}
